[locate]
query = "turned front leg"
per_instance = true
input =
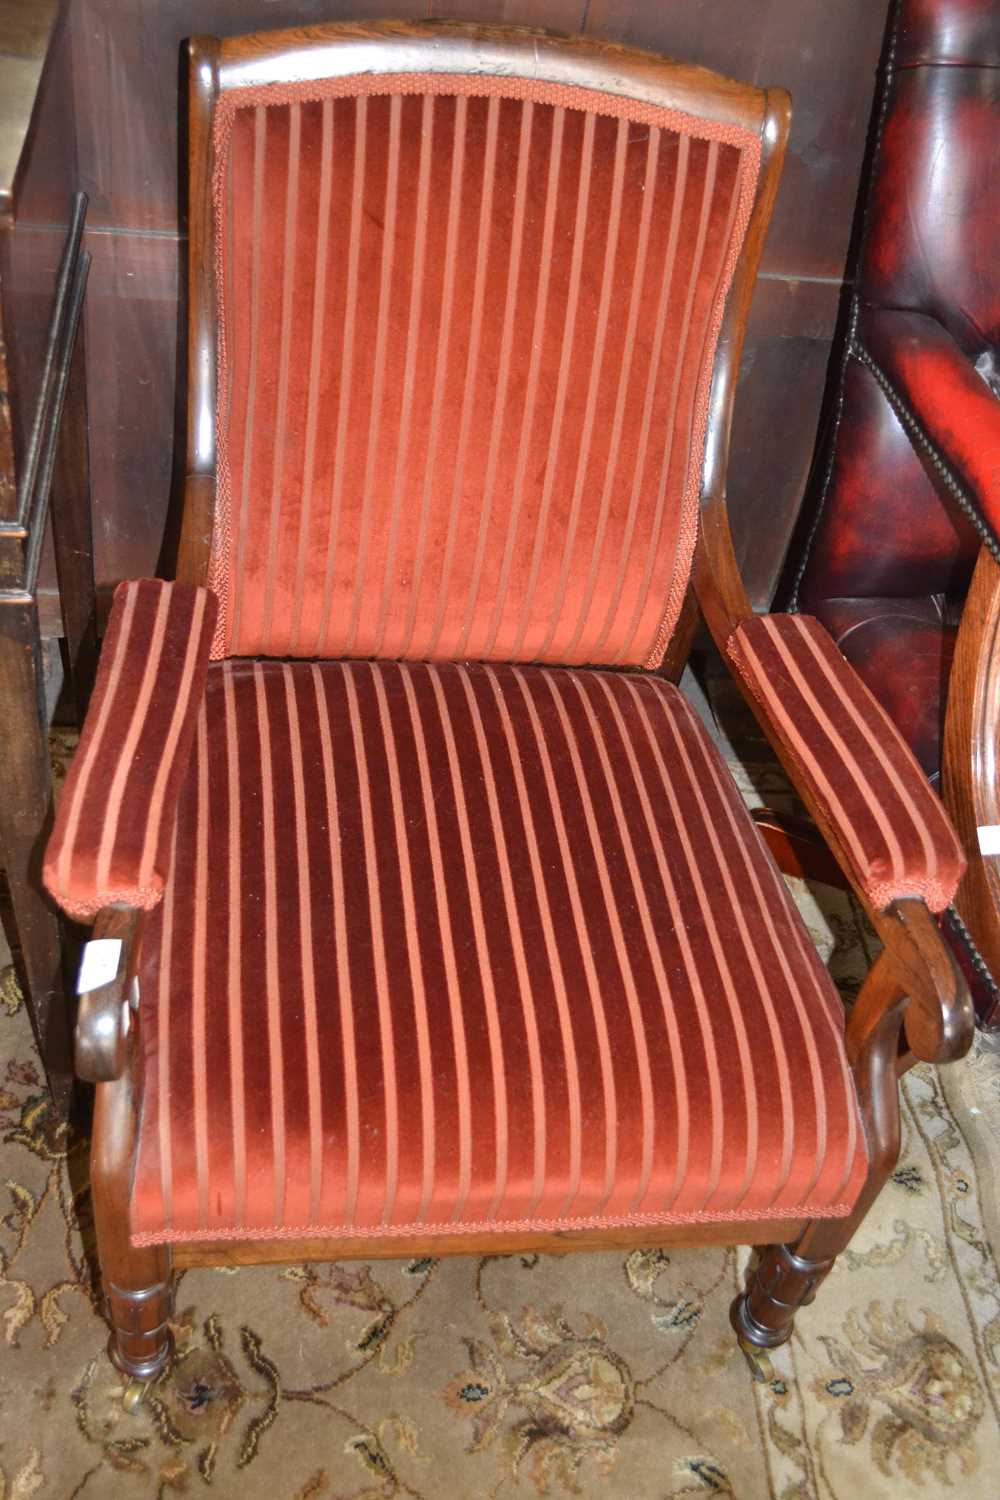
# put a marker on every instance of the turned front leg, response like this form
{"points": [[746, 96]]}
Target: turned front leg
{"points": [[136, 1282], [788, 1276], [141, 1342], [783, 1282]]}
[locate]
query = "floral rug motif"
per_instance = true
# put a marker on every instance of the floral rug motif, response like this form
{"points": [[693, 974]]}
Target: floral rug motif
{"points": [[513, 1377]]}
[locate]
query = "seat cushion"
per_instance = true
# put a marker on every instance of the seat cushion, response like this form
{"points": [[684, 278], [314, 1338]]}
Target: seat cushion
{"points": [[448, 948]]}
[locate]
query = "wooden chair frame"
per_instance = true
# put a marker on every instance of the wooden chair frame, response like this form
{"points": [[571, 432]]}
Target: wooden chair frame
{"points": [[914, 1003], [970, 790], [970, 787]]}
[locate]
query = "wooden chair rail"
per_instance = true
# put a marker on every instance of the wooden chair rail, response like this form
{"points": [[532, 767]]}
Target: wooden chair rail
{"points": [[282, 1252], [969, 761], [797, 846], [338, 48]]}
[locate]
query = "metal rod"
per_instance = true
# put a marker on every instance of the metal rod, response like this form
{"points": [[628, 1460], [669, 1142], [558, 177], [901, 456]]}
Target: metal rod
{"points": [[46, 456], [60, 310]]}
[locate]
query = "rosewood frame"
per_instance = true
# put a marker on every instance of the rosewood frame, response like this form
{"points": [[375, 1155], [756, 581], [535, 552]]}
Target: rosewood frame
{"points": [[969, 767], [914, 989]]}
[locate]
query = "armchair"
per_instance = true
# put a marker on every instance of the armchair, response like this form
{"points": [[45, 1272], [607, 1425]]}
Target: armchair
{"points": [[436, 934]]}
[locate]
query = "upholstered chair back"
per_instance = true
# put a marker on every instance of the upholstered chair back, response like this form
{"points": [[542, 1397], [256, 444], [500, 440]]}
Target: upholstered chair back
{"points": [[467, 335]]}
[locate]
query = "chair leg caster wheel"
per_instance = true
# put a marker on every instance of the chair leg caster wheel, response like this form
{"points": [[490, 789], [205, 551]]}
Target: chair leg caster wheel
{"points": [[759, 1361], [142, 1374], [133, 1396]]}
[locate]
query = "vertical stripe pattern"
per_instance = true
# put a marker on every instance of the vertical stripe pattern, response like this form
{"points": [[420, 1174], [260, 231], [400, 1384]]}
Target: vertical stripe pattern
{"points": [[476, 946], [111, 838], [468, 334], [891, 824]]}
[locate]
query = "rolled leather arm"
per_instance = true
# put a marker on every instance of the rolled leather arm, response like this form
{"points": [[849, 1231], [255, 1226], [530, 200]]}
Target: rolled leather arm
{"points": [[111, 840], [950, 413], [849, 761]]}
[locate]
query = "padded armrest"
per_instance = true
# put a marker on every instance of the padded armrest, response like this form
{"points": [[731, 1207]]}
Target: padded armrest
{"points": [[851, 761], [949, 411], [111, 840]]}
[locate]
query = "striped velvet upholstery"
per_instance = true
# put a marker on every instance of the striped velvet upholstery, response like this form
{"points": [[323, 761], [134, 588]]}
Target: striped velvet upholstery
{"points": [[111, 840], [450, 946], [467, 332], [892, 826]]}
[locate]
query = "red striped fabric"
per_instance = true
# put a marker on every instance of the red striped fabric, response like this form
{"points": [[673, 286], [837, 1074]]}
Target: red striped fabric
{"points": [[892, 827], [467, 335], [111, 839], [448, 947]]}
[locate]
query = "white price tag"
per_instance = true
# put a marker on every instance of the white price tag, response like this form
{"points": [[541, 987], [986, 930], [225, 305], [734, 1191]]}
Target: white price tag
{"points": [[989, 838], [98, 963]]}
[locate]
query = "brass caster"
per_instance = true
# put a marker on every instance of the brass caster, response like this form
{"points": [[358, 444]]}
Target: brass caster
{"points": [[759, 1361], [133, 1396]]}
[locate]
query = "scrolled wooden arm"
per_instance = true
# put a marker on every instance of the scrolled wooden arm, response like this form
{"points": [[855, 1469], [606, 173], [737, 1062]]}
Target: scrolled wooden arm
{"points": [[915, 977], [939, 1019], [938, 1015], [104, 1015]]}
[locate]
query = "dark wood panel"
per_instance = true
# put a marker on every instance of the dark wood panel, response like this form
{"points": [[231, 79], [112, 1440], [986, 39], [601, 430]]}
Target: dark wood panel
{"points": [[826, 53], [778, 400], [131, 331], [565, 16], [35, 204], [128, 51], [130, 323], [29, 260]]}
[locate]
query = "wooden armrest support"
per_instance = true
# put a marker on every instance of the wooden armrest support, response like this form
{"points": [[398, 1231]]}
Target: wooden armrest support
{"points": [[939, 1019], [914, 986], [104, 1015], [916, 977], [797, 846], [970, 780], [196, 529]]}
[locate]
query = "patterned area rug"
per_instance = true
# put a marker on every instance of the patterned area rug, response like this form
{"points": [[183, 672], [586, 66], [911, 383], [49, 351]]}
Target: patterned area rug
{"points": [[520, 1376]]}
